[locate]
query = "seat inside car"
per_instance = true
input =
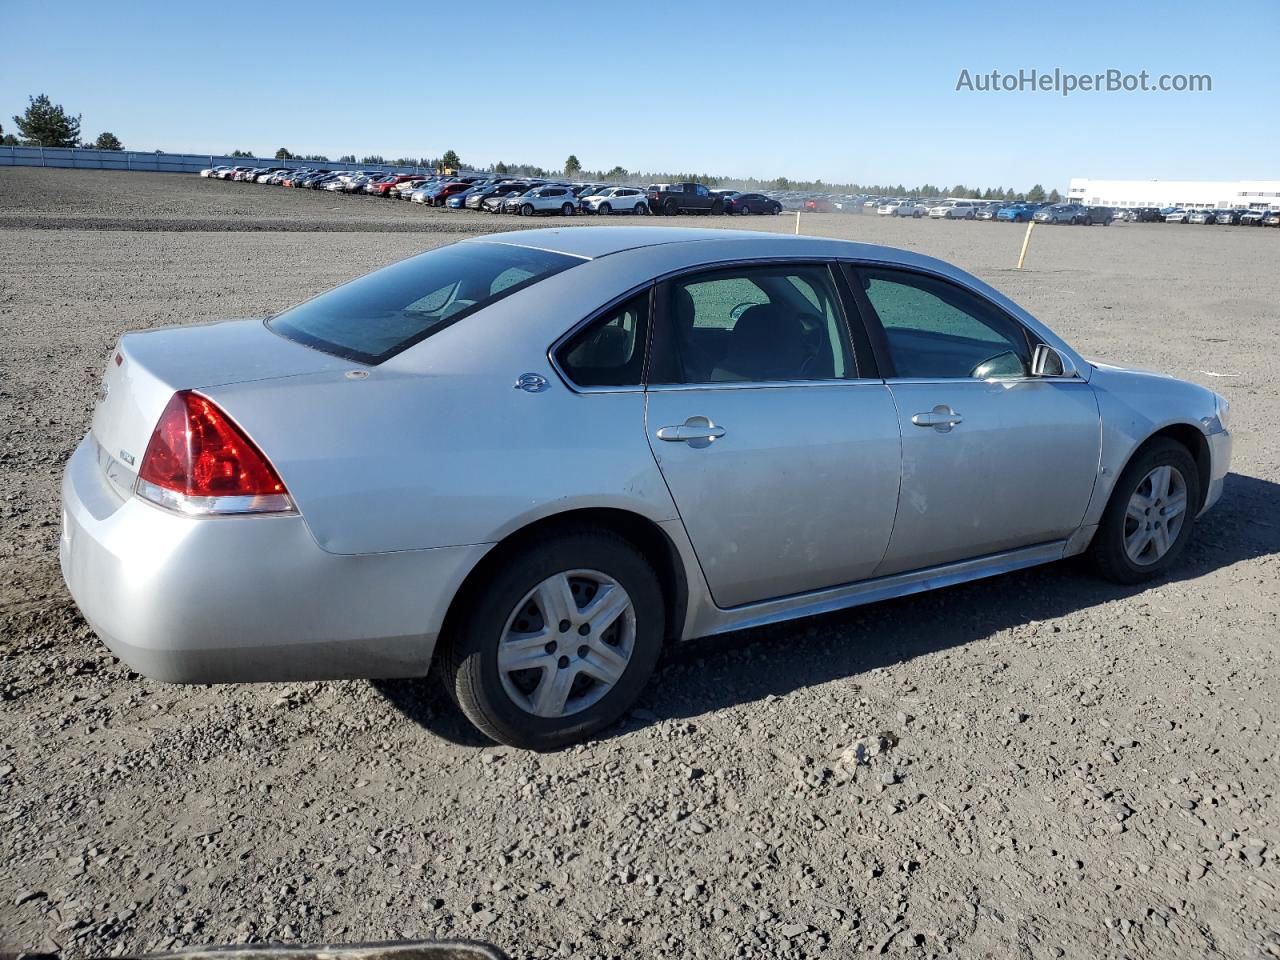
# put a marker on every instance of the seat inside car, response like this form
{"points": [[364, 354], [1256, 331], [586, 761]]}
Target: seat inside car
{"points": [[769, 342]]}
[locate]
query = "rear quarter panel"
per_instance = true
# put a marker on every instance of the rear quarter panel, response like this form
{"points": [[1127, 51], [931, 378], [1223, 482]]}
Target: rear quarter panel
{"points": [[437, 447]]}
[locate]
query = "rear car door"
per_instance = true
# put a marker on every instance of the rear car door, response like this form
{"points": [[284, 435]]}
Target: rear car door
{"points": [[778, 442], [992, 457]]}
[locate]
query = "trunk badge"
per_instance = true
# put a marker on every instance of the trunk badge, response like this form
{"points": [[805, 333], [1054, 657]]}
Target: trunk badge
{"points": [[531, 383], [127, 457]]}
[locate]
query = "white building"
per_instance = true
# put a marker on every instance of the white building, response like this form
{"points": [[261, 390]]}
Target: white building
{"points": [[1189, 194]]}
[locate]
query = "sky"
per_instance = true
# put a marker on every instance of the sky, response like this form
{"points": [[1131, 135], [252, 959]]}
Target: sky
{"points": [[842, 92]]}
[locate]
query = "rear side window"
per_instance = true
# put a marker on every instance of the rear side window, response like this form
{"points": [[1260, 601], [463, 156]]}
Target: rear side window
{"points": [[609, 351], [376, 316], [752, 324]]}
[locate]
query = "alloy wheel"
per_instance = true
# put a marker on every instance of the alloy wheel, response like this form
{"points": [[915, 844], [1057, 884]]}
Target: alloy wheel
{"points": [[567, 643], [1155, 515]]}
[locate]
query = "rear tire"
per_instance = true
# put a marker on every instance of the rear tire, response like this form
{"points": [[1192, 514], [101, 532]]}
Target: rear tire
{"points": [[1112, 551], [567, 210], [500, 699], [672, 208]]}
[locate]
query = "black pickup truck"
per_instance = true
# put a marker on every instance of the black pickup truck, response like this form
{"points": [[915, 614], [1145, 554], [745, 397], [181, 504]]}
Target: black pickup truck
{"points": [[673, 198]]}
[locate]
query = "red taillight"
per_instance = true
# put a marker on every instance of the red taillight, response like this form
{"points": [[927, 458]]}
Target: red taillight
{"points": [[199, 461]]}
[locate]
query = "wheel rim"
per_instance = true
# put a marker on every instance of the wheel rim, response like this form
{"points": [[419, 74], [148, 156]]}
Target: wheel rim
{"points": [[1155, 515], [548, 665]]}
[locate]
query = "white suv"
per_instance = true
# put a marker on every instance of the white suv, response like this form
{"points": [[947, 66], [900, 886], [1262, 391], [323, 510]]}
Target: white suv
{"points": [[617, 200], [954, 210], [550, 199]]}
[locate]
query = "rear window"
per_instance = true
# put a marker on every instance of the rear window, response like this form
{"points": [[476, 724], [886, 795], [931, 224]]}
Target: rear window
{"points": [[376, 316]]}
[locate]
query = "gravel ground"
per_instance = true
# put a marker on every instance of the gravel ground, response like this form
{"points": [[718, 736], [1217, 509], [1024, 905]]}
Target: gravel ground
{"points": [[1040, 765]]}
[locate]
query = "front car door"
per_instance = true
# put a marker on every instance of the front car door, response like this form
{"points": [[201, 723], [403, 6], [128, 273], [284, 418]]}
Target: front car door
{"points": [[780, 449], [992, 458]]}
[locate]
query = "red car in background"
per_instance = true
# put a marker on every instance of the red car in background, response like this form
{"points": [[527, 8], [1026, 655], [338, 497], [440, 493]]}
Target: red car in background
{"points": [[819, 205], [383, 187], [444, 191]]}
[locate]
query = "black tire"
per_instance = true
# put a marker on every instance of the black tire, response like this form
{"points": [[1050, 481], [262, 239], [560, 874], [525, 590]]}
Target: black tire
{"points": [[1088, 221], [671, 208], [567, 210], [717, 208], [642, 209], [745, 211], [604, 209], [470, 658], [1107, 552], [526, 210]]}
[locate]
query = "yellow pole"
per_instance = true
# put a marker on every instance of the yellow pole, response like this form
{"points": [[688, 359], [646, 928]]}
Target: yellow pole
{"points": [[1025, 242], [797, 223]]}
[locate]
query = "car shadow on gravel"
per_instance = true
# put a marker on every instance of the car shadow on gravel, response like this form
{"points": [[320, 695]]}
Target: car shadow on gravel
{"points": [[713, 673]]}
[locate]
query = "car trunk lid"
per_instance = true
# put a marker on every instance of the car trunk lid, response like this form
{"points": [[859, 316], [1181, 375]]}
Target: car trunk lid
{"points": [[146, 369]]}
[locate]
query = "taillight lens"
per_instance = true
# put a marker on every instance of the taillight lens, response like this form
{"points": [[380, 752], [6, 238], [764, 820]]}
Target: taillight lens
{"points": [[199, 462]]}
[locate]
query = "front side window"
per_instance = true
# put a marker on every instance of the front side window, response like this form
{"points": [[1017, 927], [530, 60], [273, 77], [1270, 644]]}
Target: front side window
{"points": [[752, 324], [376, 316], [934, 329], [609, 351]]}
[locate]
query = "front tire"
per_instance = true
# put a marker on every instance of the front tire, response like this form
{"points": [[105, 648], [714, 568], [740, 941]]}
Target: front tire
{"points": [[526, 210], [561, 642], [1148, 520], [604, 209]]}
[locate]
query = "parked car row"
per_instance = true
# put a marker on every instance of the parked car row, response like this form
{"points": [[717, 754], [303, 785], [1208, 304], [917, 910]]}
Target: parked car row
{"points": [[532, 196], [1225, 217], [523, 196]]}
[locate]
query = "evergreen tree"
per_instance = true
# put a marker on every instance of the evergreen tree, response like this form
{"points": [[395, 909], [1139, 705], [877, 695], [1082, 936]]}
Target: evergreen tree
{"points": [[47, 124]]}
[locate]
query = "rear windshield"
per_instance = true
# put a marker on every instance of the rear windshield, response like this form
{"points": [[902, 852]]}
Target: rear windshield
{"points": [[382, 313]]}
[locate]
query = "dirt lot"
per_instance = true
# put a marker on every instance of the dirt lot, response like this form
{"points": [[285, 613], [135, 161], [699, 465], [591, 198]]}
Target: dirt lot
{"points": [[1058, 766]]}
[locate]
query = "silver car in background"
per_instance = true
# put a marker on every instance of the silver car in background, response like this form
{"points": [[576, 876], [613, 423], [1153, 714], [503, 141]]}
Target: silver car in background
{"points": [[532, 459]]}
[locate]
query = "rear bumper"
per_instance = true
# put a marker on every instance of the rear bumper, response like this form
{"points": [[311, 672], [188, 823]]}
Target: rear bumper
{"points": [[243, 599]]}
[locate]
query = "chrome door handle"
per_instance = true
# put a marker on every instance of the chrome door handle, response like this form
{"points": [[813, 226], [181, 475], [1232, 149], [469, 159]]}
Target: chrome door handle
{"points": [[696, 432], [942, 418]]}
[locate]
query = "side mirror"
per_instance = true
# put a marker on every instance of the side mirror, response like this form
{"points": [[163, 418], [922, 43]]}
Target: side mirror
{"points": [[1049, 361]]}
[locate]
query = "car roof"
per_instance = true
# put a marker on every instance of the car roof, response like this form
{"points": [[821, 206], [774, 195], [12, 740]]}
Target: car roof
{"points": [[593, 243]]}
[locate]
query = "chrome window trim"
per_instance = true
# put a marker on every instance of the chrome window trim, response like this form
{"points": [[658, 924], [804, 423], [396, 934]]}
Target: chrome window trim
{"points": [[762, 384], [1075, 378]]}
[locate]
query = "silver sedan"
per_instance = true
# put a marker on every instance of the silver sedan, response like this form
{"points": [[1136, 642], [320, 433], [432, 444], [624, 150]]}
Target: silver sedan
{"points": [[533, 459]]}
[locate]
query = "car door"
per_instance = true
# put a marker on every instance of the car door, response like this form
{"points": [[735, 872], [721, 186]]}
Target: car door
{"points": [[779, 443], [992, 458]]}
